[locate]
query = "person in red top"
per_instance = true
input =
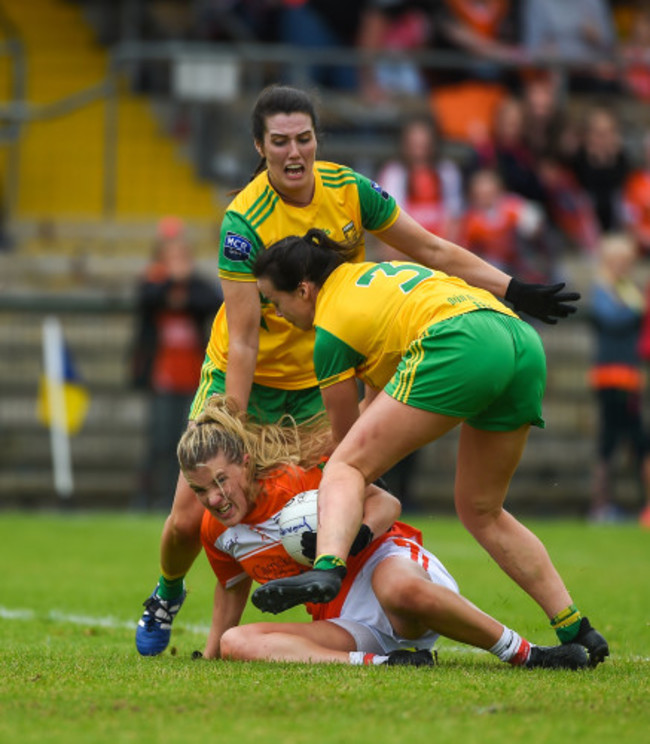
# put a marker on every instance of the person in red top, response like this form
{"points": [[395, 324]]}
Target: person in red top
{"points": [[175, 305], [502, 227], [635, 54], [636, 201], [396, 595], [426, 184]]}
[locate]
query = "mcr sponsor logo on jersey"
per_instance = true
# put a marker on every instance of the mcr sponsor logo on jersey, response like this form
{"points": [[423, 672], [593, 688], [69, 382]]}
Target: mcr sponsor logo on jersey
{"points": [[236, 247]]}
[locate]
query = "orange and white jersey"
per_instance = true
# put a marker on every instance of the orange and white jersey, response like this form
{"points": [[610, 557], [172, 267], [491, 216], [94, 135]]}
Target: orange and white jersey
{"points": [[254, 548]]}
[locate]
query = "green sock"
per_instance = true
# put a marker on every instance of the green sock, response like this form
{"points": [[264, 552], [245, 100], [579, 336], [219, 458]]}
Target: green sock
{"points": [[327, 562], [170, 588], [566, 624]]}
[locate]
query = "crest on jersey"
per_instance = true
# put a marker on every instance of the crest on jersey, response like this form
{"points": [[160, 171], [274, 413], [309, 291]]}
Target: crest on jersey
{"points": [[350, 232], [379, 190], [236, 247]]}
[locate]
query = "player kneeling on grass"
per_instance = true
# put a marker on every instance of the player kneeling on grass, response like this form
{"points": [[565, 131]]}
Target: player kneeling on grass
{"points": [[396, 595]]}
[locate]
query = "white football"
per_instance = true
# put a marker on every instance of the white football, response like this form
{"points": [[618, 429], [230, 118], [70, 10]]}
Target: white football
{"points": [[297, 516]]}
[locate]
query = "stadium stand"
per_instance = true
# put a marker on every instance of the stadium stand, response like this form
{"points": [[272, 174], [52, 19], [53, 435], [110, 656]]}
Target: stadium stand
{"points": [[62, 158], [69, 259]]}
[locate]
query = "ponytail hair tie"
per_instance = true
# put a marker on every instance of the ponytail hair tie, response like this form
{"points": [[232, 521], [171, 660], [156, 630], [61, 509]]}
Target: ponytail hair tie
{"points": [[314, 237]]}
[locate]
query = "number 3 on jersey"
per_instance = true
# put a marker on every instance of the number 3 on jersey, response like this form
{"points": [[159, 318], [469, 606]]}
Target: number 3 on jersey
{"points": [[419, 274]]}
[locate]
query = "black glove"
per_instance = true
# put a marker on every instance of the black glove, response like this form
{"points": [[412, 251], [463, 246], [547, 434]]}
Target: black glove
{"points": [[362, 540], [308, 545], [543, 301]]}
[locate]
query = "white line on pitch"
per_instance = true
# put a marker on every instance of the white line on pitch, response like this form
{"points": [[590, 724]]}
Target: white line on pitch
{"points": [[7, 613], [114, 624]]}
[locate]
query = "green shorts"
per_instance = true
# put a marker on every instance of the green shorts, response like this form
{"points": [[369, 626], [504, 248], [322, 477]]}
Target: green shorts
{"points": [[485, 367], [266, 405]]}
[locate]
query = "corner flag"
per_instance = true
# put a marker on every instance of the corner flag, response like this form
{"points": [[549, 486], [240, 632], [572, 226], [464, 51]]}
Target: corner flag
{"points": [[76, 399]]}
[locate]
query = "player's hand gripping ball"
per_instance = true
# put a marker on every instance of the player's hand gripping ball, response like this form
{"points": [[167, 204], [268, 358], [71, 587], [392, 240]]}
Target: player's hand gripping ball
{"points": [[298, 516]]}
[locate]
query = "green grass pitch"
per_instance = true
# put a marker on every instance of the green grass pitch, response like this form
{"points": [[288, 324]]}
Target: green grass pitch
{"points": [[71, 593]]}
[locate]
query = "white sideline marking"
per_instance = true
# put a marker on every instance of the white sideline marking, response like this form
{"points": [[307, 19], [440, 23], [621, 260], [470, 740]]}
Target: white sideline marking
{"points": [[7, 613]]}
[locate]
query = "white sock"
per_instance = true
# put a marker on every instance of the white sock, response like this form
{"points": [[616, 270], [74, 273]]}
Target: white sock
{"points": [[511, 647], [359, 658]]}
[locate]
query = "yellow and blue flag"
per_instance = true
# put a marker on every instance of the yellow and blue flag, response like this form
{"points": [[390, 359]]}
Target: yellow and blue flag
{"points": [[75, 395]]}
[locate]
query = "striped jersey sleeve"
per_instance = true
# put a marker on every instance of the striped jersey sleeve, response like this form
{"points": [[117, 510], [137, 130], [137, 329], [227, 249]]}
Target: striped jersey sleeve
{"points": [[334, 360]]}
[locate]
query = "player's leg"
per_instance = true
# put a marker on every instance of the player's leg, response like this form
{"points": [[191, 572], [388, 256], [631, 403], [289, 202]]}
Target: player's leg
{"points": [[312, 643], [414, 604], [486, 462], [419, 600], [180, 542], [315, 642], [387, 432], [179, 546]]}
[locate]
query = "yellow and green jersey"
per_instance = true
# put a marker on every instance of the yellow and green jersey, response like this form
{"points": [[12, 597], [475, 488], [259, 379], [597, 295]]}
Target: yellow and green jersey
{"points": [[367, 314], [345, 204]]}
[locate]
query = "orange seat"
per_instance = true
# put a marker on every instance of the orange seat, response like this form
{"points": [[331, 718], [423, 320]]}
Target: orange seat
{"points": [[465, 111]]}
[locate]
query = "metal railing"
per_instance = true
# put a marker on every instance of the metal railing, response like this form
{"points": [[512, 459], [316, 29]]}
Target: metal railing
{"points": [[224, 79]]}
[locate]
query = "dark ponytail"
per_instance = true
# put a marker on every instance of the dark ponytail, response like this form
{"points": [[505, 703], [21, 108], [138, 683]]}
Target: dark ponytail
{"points": [[312, 257]]}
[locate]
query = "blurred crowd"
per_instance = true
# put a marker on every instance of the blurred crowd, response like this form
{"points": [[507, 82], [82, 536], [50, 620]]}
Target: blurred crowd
{"points": [[525, 148], [532, 173]]}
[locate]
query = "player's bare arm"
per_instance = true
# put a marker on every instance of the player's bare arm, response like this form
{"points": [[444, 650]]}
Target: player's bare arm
{"points": [[342, 405], [227, 610], [546, 302], [243, 332], [411, 238]]}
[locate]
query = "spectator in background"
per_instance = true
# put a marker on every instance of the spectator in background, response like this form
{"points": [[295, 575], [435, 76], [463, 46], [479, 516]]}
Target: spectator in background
{"points": [[319, 24], [544, 118], [635, 53], [569, 208], [636, 201], [503, 228], [507, 151], [601, 166], [487, 31], [580, 33], [483, 35], [617, 310], [396, 26], [551, 137], [426, 184], [175, 306], [235, 20]]}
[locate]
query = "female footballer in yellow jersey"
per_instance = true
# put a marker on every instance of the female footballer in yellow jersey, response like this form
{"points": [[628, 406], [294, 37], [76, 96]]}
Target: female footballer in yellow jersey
{"points": [[256, 358], [440, 353]]}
